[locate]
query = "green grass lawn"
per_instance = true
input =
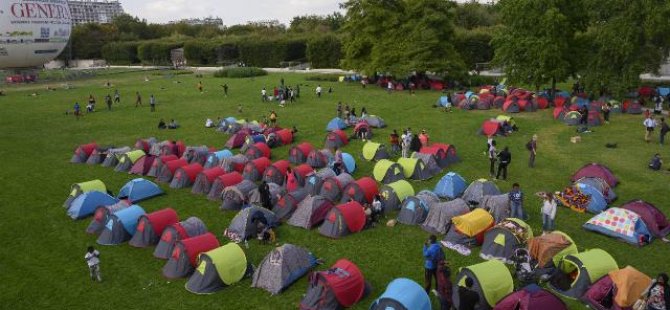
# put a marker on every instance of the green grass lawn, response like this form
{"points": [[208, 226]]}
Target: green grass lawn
{"points": [[41, 263]]}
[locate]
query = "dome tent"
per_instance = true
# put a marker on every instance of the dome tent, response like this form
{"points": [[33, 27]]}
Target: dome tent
{"points": [[336, 139], [158, 163], [491, 281], [215, 158], [102, 214], [374, 151], [310, 212], [622, 224], [185, 176], [203, 182], [139, 189], [589, 267], [320, 158], [234, 197], [218, 268], [618, 290], [393, 194], [166, 174], [333, 187], [150, 227], [598, 171], [276, 173], [143, 165], [343, 220], [414, 209], [478, 189], [415, 169], [281, 267], [221, 182], [243, 226], [112, 158], [314, 181], [83, 187], [182, 261], [82, 153], [438, 220], [362, 190], [86, 204], [655, 220], [276, 191], [127, 160], [529, 298], [254, 170], [342, 285], [451, 185], [298, 153], [386, 171], [188, 228], [403, 294], [287, 204], [121, 226], [501, 241]]}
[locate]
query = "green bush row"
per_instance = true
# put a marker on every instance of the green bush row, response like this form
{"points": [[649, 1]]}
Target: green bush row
{"points": [[240, 72], [323, 77]]}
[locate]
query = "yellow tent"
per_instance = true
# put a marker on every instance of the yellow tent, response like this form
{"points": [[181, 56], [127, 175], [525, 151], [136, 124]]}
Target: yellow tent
{"points": [[473, 223]]}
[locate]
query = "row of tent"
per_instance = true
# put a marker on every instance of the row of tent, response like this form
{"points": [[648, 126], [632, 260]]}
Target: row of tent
{"points": [[370, 120], [494, 126]]}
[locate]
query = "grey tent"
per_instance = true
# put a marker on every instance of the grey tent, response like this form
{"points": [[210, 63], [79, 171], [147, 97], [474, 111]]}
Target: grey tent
{"points": [[415, 208], [218, 268], [196, 154], [281, 267], [430, 163], [374, 121], [221, 182], [393, 194], [333, 187], [121, 226], [234, 197], [276, 192], [157, 148], [101, 216], [182, 261], [158, 164], [145, 144], [288, 203], [501, 241], [440, 214], [127, 160], [98, 155], [386, 171], [498, 206], [112, 158], [478, 189], [320, 158], [245, 224], [185, 176], [150, 227], [234, 163], [189, 228], [310, 212], [314, 181], [205, 179]]}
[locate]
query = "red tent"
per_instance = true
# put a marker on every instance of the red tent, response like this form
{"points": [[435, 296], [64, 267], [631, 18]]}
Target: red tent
{"points": [[360, 125], [259, 149], [646, 91], [143, 165], [185, 176], [594, 170], [490, 128], [656, 221], [498, 102], [167, 173], [529, 298], [196, 245], [158, 164], [542, 102], [223, 181], [143, 145], [276, 172], [363, 190], [436, 85], [86, 148], [559, 112], [237, 140], [341, 134], [285, 136], [444, 154], [212, 173], [255, 169], [559, 101], [348, 285], [298, 154], [161, 219], [354, 215], [302, 172]]}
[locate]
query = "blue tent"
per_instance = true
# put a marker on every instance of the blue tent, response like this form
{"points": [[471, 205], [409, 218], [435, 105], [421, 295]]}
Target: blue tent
{"points": [[403, 293], [663, 91], [451, 185], [86, 203], [335, 124], [121, 226], [349, 162], [444, 101], [469, 94], [217, 156], [230, 120], [598, 202], [139, 189], [251, 140], [563, 94], [622, 224], [582, 102], [129, 218]]}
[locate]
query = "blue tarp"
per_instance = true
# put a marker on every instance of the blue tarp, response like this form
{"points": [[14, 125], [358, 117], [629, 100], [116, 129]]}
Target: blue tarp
{"points": [[335, 124], [128, 218], [86, 203], [139, 189], [663, 91], [597, 202], [451, 186], [406, 292], [349, 162]]}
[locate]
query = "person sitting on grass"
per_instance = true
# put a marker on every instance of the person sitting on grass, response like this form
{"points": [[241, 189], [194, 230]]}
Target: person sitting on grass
{"points": [[655, 163], [209, 123], [173, 124], [2, 92], [161, 124]]}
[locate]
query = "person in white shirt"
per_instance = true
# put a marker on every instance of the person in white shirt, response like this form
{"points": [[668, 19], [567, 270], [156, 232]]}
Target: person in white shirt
{"points": [[548, 213], [93, 262], [209, 123], [389, 86], [318, 91], [493, 156], [264, 95], [406, 141], [649, 125]]}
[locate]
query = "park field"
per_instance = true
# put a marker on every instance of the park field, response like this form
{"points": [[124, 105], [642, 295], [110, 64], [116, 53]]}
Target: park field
{"points": [[42, 265]]}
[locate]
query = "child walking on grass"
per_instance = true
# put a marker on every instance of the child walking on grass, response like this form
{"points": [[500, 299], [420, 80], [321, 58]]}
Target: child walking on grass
{"points": [[548, 212]]}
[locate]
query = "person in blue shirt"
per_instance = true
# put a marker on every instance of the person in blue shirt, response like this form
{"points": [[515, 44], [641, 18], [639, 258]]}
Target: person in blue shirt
{"points": [[77, 110], [432, 254], [516, 201]]}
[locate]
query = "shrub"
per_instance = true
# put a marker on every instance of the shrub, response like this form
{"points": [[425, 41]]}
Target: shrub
{"points": [[324, 52], [122, 53], [156, 53], [240, 72]]}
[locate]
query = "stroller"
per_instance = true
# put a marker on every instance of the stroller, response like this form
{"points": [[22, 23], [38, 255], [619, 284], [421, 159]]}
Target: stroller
{"points": [[526, 270]]}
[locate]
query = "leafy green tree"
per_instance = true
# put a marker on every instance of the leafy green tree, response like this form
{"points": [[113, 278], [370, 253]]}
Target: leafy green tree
{"points": [[625, 39], [316, 24], [471, 15], [399, 37], [538, 41]]}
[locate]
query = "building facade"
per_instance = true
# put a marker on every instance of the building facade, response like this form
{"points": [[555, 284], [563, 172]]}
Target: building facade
{"points": [[216, 21], [94, 11]]}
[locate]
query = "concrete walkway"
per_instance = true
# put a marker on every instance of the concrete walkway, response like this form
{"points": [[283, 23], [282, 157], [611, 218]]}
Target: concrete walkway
{"points": [[212, 69]]}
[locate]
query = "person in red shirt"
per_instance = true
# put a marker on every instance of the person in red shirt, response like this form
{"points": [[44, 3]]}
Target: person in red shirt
{"points": [[424, 138], [394, 140]]}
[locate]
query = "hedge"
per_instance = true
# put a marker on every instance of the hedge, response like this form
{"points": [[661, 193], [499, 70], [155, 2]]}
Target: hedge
{"points": [[270, 53], [156, 53], [240, 72], [120, 53], [324, 52]]}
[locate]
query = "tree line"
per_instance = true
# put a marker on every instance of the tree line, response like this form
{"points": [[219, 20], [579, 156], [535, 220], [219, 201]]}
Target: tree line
{"points": [[604, 43]]}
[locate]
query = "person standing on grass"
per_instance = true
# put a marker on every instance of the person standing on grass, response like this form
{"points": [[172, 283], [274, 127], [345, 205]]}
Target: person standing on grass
{"points": [[318, 91], [108, 101], [394, 140], [444, 286], [264, 95], [200, 87], [389, 87], [432, 255], [532, 149], [77, 110], [92, 258], [548, 213], [152, 103], [138, 99], [424, 138], [225, 90], [516, 201], [606, 112], [492, 154], [117, 96], [664, 130], [649, 125], [273, 118], [505, 158]]}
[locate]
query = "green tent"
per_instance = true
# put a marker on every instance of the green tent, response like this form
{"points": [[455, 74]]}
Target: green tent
{"points": [[223, 266], [374, 151], [394, 194], [414, 168], [492, 281], [84, 187], [133, 156], [570, 250], [505, 118], [590, 266], [386, 171]]}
